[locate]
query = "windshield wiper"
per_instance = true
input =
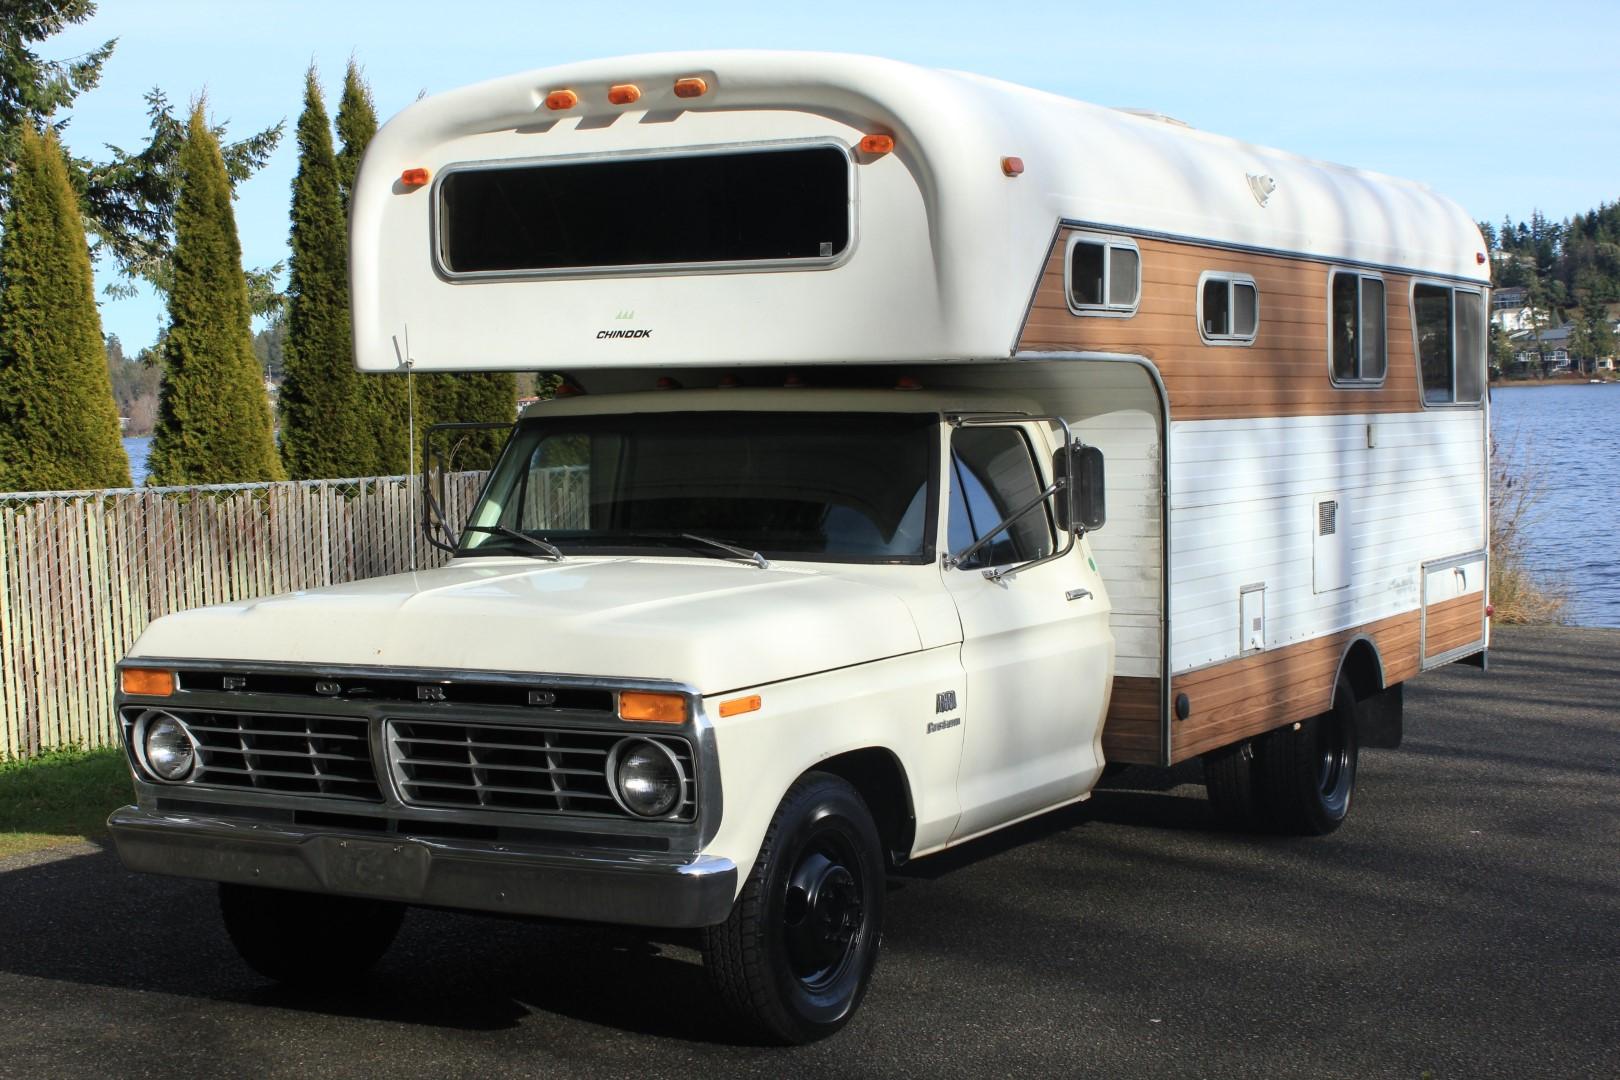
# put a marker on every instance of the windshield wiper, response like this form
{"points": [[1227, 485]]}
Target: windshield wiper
{"points": [[742, 553], [550, 551]]}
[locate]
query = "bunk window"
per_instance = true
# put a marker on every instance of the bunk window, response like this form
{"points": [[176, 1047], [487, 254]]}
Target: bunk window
{"points": [[1104, 275], [1449, 325], [1356, 339], [1228, 308], [774, 206]]}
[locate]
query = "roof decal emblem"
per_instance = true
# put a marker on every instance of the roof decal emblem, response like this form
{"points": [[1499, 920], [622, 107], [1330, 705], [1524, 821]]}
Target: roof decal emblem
{"points": [[1261, 185]]}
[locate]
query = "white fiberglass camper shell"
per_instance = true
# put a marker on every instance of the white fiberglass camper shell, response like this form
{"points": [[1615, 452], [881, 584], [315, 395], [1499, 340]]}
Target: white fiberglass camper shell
{"points": [[812, 568]]}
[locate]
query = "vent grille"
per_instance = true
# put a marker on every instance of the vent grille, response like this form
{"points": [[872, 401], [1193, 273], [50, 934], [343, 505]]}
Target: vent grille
{"points": [[464, 765], [300, 755], [1327, 517]]}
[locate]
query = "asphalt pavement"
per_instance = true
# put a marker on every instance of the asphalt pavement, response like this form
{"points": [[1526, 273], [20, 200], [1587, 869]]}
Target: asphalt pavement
{"points": [[1464, 923]]}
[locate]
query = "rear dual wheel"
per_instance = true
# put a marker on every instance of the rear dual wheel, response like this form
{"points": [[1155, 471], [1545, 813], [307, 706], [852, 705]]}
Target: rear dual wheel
{"points": [[1298, 779]]}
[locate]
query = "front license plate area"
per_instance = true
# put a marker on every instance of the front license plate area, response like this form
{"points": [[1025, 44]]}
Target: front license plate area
{"points": [[395, 869]]}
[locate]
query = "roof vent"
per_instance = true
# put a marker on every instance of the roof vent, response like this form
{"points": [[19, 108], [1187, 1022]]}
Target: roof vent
{"points": [[1153, 114]]}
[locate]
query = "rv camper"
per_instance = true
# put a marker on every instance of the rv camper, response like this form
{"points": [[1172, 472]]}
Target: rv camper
{"points": [[927, 444]]}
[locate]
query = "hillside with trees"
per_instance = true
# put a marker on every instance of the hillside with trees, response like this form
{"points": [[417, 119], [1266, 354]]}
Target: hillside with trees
{"points": [[1569, 274]]}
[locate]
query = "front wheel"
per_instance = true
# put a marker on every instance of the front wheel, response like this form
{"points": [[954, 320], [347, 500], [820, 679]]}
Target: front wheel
{"points": [[794, 958], [308, 939]]}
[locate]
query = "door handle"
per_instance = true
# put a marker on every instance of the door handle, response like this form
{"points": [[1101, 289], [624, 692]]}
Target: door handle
{"points": [[1077, 594]]}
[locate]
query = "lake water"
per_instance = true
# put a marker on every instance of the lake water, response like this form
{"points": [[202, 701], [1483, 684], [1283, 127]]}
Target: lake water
{"points": [[1568, 437], [136, 450]]}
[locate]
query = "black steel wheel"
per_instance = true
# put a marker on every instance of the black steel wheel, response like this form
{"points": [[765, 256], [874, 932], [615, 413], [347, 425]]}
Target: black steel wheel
{"points": [[794, 958], [308, 939], [1308, 771]]}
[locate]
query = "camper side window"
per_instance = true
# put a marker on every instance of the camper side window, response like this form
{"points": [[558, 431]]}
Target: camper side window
{"points": [[1104, 275], [1449, 327], [1356, 342], [1228, 308]]}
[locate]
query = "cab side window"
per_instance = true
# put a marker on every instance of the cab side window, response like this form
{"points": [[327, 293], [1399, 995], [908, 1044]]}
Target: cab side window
{"points": [[993, 473]]}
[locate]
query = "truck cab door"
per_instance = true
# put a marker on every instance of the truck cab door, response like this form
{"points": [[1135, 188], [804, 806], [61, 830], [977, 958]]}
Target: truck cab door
{"points": [[1036, 647]]}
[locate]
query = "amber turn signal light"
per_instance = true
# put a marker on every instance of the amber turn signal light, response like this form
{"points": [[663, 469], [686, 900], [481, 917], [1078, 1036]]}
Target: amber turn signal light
{"points": [[413, 177], [740, 705], [877, 144], [148, 682], [690, 87], [561, 99], [624, 94], [651, 707]]}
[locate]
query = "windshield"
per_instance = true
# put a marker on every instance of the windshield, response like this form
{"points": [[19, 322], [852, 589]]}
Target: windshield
{"points": [[845, 487]]}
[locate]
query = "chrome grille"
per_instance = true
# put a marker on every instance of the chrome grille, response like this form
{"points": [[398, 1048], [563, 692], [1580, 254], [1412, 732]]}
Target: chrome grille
{"points": [[302, 755], [465, 765]]}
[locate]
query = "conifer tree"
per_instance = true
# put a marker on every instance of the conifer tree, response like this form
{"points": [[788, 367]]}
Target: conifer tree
{"points": [[213, 418], [484, 397], [326, 429], [383, 396], [58, 422]]}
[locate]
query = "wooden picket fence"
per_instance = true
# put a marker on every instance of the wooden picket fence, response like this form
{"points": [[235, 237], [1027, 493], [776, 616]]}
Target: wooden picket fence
{"points": [[83, 572]]}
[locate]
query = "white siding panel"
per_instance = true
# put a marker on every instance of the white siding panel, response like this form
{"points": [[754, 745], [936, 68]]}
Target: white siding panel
{"points": [[1129, 549], [1242, 504]]}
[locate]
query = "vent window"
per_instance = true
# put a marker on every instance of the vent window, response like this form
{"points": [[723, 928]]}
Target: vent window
{"points": [[773, 206], [1104, 275], [1228, 309]]}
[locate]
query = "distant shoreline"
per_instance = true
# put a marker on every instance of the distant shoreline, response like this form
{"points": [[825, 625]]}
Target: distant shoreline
{"points": [[1525, 384]]}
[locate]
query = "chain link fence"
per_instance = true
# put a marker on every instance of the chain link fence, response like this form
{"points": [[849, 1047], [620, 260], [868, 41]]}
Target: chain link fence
{"points": [[83, 572]]}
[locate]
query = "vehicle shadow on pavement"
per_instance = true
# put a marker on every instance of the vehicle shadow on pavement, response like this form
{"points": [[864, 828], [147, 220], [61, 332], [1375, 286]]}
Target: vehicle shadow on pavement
{"points": [[84, 919]]}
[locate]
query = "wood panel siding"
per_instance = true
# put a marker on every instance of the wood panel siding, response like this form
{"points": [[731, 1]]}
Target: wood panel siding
{"points": [[1452, 624], [1266, 690], [1131, 731], [1283, 373]]}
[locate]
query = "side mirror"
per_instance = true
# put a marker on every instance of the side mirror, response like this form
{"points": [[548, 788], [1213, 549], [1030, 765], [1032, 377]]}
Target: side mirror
{"points": [[1087, 510]]}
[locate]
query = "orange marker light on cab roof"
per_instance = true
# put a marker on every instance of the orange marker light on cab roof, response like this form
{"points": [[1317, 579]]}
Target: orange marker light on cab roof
{"points": [[413, 178], [561, 99], [148, 682], [1012, 166], [691, 86], [740, 705], [877, 144], [652, 707], [624, 94]]}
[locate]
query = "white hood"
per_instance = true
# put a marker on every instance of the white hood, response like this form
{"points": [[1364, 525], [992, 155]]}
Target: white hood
{"points": [[717, 626]]}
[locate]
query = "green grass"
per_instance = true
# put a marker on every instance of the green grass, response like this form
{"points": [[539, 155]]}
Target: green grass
{"points": [[60, 796]]}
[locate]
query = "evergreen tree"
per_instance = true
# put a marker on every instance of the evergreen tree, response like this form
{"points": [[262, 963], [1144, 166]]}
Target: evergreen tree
{"points": [[383, 396], [213, 418], [325, 426], [58, 423], [484, 397]]}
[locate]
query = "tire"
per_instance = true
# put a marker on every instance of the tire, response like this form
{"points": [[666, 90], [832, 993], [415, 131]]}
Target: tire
{"points": [[794, 958], [1232, 779], [1307, 775], [308, 939]]}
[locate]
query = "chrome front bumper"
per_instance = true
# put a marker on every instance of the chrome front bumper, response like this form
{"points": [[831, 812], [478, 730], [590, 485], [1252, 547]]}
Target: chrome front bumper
{"points": [[630, 889]]}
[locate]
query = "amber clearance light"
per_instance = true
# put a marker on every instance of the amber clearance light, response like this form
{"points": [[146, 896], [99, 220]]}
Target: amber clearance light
{"points": [[690, 87], [413, 178], [624, 94], [558, 100], [147, 682], [652, 707]]}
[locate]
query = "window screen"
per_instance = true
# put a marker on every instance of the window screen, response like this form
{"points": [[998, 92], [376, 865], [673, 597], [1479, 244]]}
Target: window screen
{"points": [[992, 474], [757, 206], [1451, 344], [1104, 276], [1356, 328]]}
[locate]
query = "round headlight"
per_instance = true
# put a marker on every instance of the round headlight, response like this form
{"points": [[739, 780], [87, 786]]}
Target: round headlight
{"points": [[645, 777], [167, 747]]}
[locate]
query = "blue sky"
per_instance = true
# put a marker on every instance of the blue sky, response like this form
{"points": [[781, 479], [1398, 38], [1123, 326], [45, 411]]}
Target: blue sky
{"points": [[1504, 107]]}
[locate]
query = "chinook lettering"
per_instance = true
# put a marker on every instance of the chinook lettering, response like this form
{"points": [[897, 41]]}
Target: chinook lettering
{"points": [[600, 334]]}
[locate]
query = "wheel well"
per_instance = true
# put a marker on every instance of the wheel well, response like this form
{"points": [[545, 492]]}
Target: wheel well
{"points": [[881, 781], [1362, 665]]}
